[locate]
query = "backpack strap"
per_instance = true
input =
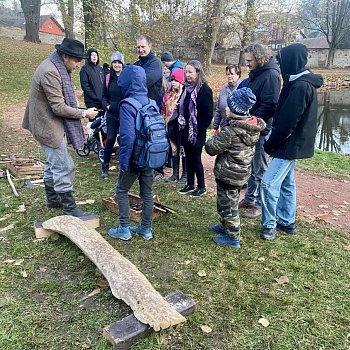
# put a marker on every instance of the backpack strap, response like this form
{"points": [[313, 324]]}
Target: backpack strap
{"points": [[132, 102]]}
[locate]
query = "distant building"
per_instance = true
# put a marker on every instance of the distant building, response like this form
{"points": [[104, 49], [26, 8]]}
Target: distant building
{"points": [[47, 24]]}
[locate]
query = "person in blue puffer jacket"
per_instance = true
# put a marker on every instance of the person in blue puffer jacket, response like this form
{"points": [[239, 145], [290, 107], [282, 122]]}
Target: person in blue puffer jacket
{"points": [[132, 83]]}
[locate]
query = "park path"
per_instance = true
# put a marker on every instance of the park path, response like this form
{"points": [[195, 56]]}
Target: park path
{"points": [[319, 198]]}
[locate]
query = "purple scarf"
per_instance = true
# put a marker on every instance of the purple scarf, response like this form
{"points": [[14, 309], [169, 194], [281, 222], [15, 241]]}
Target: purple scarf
{"points": [[72, 127], [192, 127]]}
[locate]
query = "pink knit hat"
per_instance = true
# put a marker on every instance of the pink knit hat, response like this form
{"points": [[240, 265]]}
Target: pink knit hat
{"points": [[178, 74]]}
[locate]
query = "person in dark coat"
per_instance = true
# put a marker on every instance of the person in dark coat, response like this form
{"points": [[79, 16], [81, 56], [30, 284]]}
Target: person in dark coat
{"points": [[111, 96], [292, 137], [132, 83], [264, 81], [153, 68], [91, 80], [190, 122]]}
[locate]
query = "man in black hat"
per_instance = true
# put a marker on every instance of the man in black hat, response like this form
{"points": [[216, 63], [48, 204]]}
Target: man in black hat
{"points": [[52, 112]]}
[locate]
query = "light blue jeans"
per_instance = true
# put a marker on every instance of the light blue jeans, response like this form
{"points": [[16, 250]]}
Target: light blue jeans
{"points": [[59, 168], [278, 193], [259, 165]]}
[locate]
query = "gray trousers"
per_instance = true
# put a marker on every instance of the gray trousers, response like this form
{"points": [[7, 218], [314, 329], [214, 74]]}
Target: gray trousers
{"points": [[125, 181], [259, 166], [59, 168]]}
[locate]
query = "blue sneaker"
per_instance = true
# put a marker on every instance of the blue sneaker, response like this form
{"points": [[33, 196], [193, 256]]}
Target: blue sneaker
{"points": [[145, 233], [218, 228], [227, 241], [121, 232]]}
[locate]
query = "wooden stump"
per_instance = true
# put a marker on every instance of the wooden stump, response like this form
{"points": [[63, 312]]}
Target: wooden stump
{"points": [[125, 280]]}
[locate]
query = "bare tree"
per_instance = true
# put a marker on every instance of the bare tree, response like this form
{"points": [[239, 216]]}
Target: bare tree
{"points": [[31, 11], [66, 8], [214, 10], [329, 17]]}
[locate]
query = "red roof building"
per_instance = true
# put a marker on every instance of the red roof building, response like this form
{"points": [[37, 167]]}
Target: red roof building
{"points": [[47, 24]]}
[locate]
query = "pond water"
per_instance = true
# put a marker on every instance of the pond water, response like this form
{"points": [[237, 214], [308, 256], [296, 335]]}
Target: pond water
{"points": [[333, 132]]}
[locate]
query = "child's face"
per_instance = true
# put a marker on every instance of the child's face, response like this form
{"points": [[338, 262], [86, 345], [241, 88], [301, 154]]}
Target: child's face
{"points": [[175, 85], [166, 71]]}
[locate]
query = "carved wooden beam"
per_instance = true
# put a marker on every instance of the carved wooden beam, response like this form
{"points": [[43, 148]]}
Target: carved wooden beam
{"points": [[125, 280]]}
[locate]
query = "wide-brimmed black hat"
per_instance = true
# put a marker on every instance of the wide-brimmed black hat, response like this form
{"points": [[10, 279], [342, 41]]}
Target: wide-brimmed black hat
{"points": [[72, 47]]}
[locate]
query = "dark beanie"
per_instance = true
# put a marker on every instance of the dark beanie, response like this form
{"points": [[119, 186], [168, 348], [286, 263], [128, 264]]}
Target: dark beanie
{"points": [[166, 57], [240, 101]]}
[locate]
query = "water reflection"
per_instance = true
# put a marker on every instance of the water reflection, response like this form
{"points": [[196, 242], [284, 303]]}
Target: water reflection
{"points": [[334, 121]]}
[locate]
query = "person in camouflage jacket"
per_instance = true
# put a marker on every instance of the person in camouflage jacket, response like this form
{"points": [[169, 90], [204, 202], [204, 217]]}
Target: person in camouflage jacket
{"points": [[234, 148]]}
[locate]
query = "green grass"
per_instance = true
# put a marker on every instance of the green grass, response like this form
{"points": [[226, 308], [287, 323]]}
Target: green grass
{"points": [[327, 164], [44, 311]]}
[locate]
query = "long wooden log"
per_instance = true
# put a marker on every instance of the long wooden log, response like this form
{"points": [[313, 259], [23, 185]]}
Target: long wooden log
{"points": [[125, 280], [11, 183]]}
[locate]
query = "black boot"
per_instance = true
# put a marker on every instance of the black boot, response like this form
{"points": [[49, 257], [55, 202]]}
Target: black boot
{"points": [[175, 160], [53, 199], [69, 206], [104, 169], [183, 178]]}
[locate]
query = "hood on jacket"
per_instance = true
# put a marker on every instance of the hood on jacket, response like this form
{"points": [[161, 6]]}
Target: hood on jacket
{"points": [[271, 64], [89, 52], [248, 129], [293, 60], [132, 81]]}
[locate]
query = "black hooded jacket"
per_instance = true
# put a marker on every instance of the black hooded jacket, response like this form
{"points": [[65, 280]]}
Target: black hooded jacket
{"points": [[266, 85], [295, 120], [91, 81]]}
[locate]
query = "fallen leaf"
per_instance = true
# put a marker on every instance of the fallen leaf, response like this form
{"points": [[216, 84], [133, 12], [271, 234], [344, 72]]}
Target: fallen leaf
{"points": [[19, 262], [9, 227], [261, 258], [347, 247], [93, 293], [187, 262], [206, 329], [42, 269], [113, 167], [266, 269], [201, 273], [282, 280], [102, 283], [323, 217], [345, 202], [21, 209], [280, 290], [5, 217], [323, 206], [24, 274], [264, 322]]}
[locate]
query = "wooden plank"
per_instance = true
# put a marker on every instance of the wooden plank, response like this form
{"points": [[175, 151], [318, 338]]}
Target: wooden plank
{"points": [[122, 334], [125, 280], [92, 221]]}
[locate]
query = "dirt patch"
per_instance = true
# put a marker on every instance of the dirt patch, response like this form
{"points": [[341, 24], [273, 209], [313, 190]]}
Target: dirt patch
{"points": [[319, 198]]}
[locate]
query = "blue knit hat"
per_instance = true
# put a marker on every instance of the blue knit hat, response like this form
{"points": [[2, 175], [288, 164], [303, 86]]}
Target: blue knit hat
{"points": [[240, 101]]}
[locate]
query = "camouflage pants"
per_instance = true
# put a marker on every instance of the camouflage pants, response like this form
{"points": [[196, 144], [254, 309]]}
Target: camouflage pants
{"points": [[227, 206]]}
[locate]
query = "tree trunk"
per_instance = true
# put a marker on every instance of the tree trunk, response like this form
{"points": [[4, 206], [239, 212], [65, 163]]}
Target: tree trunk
{"points": [[66, 8], [248, 27], [93, 20], [214, 19], [330, 57], [31, 11]]}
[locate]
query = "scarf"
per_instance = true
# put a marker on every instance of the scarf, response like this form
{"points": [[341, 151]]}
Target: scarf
{"points": [[192, 127], [72, 127], [170, 100]]}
